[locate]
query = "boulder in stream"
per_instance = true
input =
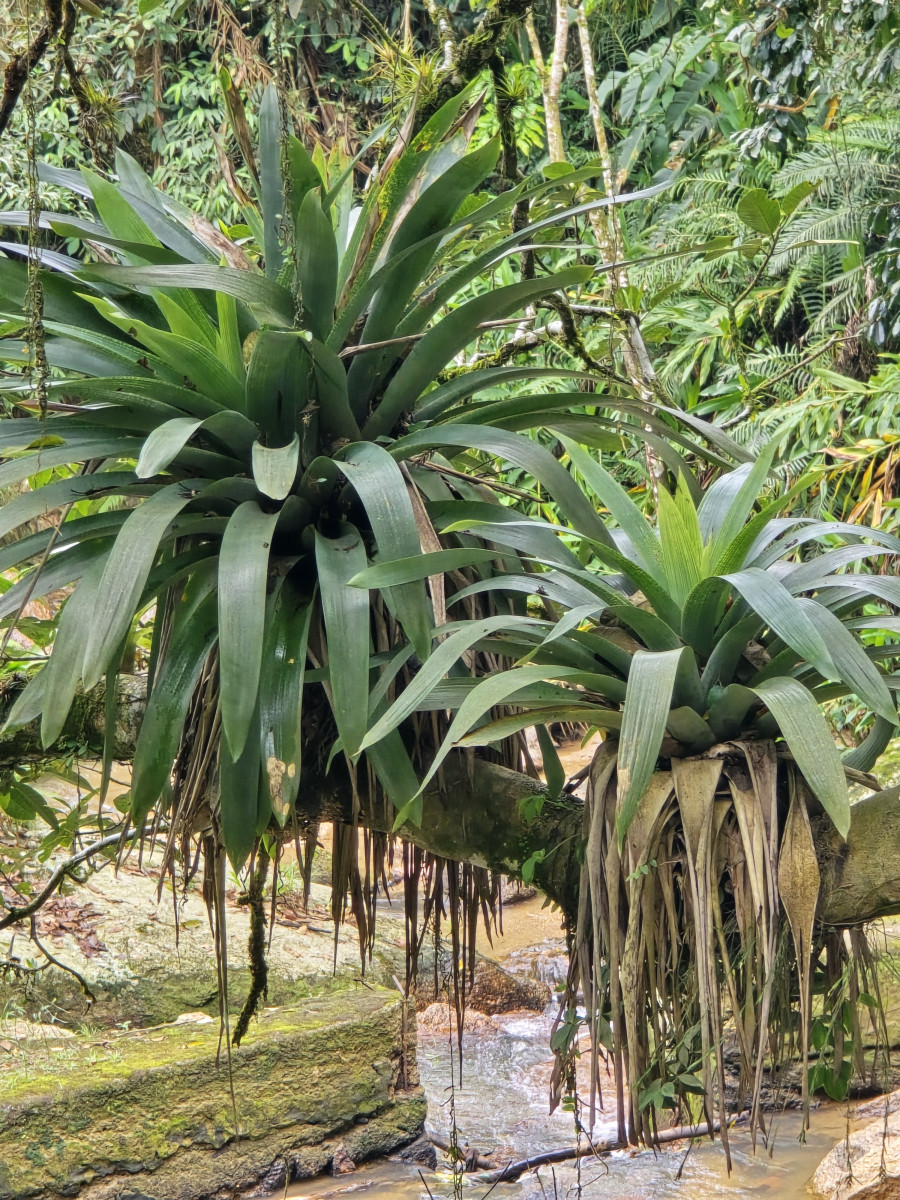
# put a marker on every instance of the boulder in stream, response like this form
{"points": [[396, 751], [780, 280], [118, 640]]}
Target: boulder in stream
{"points": [[866, 1165]]}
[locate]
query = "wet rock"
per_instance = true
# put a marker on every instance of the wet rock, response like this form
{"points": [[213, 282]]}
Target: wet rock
{"points": [[864, 1167], [420, 1153], [342, 1163], [441, 1018], [494, 991], [512, 891]]}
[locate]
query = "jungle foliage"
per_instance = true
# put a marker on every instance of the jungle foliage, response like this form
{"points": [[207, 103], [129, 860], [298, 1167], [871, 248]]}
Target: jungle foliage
{"points": [[376, 425]]}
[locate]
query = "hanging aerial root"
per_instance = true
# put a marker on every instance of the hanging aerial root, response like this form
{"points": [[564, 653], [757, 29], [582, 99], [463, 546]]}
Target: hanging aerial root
{"points": [[696, 947], [256, 945]]}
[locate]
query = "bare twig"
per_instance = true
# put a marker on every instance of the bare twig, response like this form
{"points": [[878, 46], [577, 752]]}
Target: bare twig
{"points": [[62, 871]]}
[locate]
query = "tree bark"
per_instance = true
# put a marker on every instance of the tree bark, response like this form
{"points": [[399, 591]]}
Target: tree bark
{"points": [[475, 814]]}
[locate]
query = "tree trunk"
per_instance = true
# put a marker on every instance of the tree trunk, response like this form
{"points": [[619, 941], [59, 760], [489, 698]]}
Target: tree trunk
{"points": [[476, 815]]}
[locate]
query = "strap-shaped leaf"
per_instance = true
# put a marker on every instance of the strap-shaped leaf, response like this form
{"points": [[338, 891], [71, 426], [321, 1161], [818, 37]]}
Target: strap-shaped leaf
{"points": [[164, 444], [58, 493], [125, 575], [497, 523], [461, 387], [275, 468], [809, 740], [240, 787], [391, 763], [681, 547], [279, 376], [188, 358], [487, 694], [729, 502], [493, 732], [193, 636], [243, 574], [281, 696], [271, 187], [442, 659], [62, 674], [346, 613], [771, 600], [430, 214], [317, 265], [380, 485], [521, 452], [853, 664], [648, 699], [66, 567], [622, 508], [453, 334], [267, 299], [56, 455], [407, 570], [335, 415]]}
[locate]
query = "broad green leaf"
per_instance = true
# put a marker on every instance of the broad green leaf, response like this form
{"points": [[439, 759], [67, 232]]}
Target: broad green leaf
{"points": [[279, 378], [493, 732], [37, 503], [809, 740], [275, 468], [451, 335], [728, 503], [554, 771], [521, 452], [240, 785], [164, 444], [651, 683], [243, 576], [392, 765], [429, 215], [193, 636], [281, 696], [461, 387], [268, 300], [125, 575], [487, 694], [317, 265], [433, 671], [14, 470], [335, 416], [346, 613], [271, 188], [792, 200], [681, 546], [381, 487], [61, 676], [759, 211], [622, 508], [408, 570], [853, 664], [771, 600], [702, 612]]}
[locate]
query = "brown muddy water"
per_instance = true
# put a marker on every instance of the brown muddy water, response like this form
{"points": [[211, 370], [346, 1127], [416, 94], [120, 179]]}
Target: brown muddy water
{"points": [[501, 1109]]}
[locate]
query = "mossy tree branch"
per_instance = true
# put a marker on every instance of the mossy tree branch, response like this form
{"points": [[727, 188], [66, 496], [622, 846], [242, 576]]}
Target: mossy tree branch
{"points": [[478, 816]]}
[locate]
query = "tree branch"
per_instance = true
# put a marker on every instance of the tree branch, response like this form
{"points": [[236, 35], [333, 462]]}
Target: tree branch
{"points": [[20, 66], [476, 815]]}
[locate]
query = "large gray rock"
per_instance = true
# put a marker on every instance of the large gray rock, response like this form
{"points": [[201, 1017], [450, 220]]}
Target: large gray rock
{"points": [[866, 1166]]}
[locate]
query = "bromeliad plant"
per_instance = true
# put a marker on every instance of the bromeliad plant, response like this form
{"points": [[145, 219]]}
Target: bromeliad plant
{"points": [[248, 430], [703, 644]]}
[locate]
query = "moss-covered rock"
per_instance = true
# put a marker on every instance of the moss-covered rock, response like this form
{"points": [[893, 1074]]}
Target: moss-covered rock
{"points": [[153, 1110]]}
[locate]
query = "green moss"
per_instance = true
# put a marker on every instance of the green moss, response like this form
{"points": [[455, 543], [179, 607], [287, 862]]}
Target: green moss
{"points": [[135, 1101]]}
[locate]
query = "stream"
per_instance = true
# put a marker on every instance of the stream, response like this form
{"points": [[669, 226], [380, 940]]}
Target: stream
{"points": [[501, 1108]]}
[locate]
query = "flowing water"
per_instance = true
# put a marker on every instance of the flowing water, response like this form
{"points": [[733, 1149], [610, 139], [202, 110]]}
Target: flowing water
{"points": [[501, 1108]]}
